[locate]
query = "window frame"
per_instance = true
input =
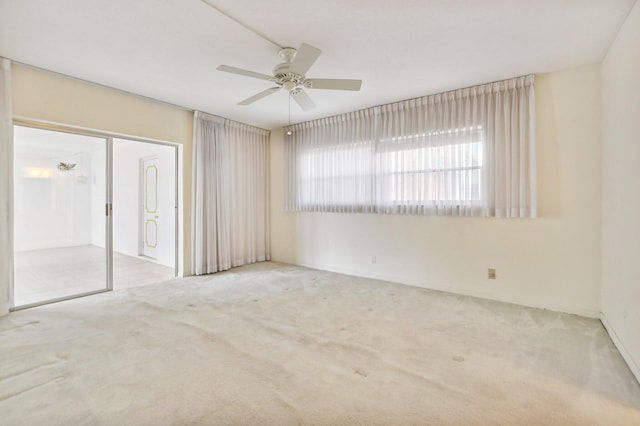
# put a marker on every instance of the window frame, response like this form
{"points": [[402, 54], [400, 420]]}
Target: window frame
{"points": [[395, 145]]}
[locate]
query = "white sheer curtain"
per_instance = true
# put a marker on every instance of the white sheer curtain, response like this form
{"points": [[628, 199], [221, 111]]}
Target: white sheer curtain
{"points": [[331, 164], [511, 151], [230, 222], [465, 152], [430, 155], [6, 186]]}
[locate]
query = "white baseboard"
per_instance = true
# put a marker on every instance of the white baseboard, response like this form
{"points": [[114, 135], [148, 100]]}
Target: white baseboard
{"points": [[574, 310], [633, 366]]}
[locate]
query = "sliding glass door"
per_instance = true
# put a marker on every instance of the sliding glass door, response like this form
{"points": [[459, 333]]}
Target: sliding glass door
{"points": [[61, 218]]}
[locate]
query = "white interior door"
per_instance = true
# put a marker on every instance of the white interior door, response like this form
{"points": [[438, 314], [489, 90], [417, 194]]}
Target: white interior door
{"points": [[149, 170]]}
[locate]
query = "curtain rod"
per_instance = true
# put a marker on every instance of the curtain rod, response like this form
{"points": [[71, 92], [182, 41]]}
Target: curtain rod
{"points": [[411, 99]]}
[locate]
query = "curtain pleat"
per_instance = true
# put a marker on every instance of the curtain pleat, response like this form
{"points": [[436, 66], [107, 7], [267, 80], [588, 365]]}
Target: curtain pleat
{"points": [[230, 222], [6, 187], [469, 152]]}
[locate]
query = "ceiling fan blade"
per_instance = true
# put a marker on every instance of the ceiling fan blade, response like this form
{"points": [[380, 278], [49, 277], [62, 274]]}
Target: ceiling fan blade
{"points": [[258, 96], [305, 57], [234, 70], [332, 84], [302, 99]]}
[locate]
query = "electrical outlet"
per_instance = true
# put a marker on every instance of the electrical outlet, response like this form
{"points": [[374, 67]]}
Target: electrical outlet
{"points": [[492, 274], [373, 260]]}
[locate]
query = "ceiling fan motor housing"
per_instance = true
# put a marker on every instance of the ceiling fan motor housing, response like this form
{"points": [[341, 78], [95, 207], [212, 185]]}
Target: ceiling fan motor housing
{"points": [[288, 54], [283, 76]]}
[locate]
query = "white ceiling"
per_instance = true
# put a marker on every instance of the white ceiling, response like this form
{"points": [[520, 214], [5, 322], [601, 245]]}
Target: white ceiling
{"points": [[168, 50]]}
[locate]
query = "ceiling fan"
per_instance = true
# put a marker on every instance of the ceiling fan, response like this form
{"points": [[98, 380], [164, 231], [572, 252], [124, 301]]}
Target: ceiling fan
{"points": [[291, 76]]}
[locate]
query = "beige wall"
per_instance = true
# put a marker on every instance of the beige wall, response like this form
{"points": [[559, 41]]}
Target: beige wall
{"points": [[551, 262], [42, 95], [621, 190]]}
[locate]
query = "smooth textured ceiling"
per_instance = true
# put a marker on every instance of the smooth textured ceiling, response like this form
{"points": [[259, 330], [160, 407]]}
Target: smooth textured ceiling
{"points": [[169, 50]]}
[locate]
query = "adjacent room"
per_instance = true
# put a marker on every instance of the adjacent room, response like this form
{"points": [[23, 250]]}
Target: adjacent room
{"points": [[60, 233], [297, 212]]}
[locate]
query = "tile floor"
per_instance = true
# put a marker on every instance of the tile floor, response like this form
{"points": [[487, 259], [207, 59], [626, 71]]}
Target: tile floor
{"points": [[52, 273]]}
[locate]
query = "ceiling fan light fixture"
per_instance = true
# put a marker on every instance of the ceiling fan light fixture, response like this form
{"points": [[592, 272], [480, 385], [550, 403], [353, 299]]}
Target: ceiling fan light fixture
{"points": [[289, 85]]}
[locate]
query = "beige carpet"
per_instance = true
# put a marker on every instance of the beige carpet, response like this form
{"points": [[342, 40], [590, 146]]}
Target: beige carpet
{"points": [[271, 344]]}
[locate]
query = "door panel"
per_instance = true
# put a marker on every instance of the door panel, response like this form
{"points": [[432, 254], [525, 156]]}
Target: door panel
{"points": [[150, 214], [151, 234], [60, 227]]}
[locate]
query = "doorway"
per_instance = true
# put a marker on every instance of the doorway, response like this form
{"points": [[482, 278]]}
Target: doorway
{"points": [[144, 213], [80, 203]]}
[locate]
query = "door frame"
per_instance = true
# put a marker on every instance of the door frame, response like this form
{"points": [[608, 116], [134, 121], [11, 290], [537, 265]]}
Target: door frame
{"points": [[177, 193], [109, 137]]}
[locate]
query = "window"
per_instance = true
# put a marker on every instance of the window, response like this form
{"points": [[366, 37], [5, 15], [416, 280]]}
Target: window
{"points": [[466, 152], [337, 175], [429, 169], [420, 171]]}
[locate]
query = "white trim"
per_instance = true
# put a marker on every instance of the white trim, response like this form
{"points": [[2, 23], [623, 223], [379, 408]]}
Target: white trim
{"points": [[179, 211], [626, 355], [20, 120], [6, 209], [59, 299], [108, 239], [573, 310]]}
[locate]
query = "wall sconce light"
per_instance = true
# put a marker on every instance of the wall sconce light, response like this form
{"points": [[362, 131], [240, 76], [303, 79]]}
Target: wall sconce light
{"points": [[38, 172]]}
